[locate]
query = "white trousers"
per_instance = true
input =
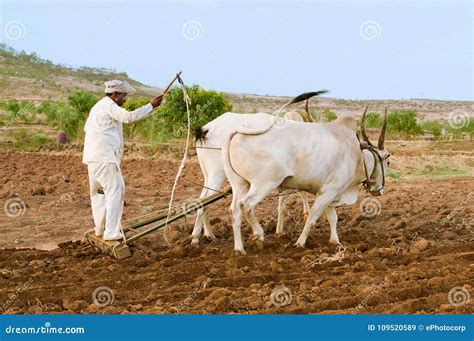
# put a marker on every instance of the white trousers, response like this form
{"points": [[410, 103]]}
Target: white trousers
{"points": [[107, 190]]}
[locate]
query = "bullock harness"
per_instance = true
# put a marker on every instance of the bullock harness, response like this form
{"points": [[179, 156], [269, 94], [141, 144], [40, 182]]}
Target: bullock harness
{"points": [[369, 180]]}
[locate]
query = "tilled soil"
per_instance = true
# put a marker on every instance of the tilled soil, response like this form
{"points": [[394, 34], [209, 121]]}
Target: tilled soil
{"points": [[414, 256]]}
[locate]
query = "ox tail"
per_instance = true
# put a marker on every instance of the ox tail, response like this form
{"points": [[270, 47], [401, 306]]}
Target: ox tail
{"points": [[228, 168], [247, 130], [200, 134], [253, 131]]}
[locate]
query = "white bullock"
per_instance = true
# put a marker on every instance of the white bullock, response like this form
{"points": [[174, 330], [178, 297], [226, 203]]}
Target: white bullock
{"points": [[324, 159]]}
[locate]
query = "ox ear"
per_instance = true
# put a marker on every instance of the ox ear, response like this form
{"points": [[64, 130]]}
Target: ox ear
{"points": [[363, 145]]}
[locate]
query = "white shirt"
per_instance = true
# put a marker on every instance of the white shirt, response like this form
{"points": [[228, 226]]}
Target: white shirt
{"points": [[104, 132]]}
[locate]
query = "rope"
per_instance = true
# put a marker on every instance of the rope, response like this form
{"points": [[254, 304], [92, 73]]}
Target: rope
{"points": [[171, 145], [187, 100], [337, 257]]}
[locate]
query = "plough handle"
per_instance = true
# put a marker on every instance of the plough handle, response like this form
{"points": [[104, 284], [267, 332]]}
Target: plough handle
{"points": [[171, 83]]}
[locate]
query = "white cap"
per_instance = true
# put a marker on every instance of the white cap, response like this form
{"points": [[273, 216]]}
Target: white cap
{"points": [[116, 85]]}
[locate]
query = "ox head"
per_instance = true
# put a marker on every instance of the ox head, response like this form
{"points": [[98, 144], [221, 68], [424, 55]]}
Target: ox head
{"points": [[376, 180]]}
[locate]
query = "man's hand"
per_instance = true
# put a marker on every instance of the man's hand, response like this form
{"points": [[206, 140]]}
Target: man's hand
{"points": [[155, 102]]}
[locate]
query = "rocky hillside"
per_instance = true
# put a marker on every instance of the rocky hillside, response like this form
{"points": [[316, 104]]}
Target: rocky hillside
{"points": [[28, 77]]}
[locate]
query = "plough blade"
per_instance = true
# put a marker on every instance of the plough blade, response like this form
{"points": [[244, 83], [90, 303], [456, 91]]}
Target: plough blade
{"points": [[116, 249]]}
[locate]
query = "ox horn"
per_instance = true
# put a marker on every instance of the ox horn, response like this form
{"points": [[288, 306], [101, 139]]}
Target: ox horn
{"points": [[362, 127], [382, 133]]}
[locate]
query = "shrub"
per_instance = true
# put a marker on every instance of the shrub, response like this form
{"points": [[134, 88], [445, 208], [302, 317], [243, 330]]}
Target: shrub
{"points": [[432, 126], [170, 121], [39, 139], [206, 105], [83, 101], [403, 122], [139, 127], [373, 120], [65, 117], [328, 115]]}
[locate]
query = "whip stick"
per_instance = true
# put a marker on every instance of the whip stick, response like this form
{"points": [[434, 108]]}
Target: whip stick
{"points": [[171, 83]]}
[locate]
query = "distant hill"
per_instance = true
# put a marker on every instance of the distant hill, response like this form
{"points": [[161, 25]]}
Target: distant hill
{"points": [[28, 77]]}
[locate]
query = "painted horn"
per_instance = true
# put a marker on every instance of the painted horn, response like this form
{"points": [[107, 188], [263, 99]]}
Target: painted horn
{"points": [[365, 137], [382, 133]]}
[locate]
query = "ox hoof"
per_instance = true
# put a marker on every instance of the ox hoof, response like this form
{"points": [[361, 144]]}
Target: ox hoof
{"points": [[334, 241], [257, 237], [239, 252], [195, 241], [256, 244], [210, 238], [300, 245]]}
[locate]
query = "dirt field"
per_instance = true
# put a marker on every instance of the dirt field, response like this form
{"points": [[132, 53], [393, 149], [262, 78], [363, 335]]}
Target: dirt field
{"points": [[406, 259]]}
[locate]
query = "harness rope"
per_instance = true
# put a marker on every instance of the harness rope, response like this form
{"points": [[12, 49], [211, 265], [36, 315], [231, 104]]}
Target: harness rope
{"points": [[187, 100], [376, 156]]}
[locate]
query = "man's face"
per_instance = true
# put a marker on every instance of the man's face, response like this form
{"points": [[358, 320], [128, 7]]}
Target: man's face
{"points": [[119, 98]]}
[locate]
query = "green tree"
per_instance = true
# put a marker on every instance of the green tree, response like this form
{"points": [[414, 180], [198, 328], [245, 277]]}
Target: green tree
{"points": [[373, 120], [403, 122], [139, 127], [83, 101], [206, 105]]}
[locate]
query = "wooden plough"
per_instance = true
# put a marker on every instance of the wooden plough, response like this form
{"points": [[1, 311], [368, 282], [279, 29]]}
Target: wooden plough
{"points": [[121, 250]]}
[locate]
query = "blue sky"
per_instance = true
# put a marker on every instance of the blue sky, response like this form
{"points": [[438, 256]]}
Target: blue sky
{"points": [[357, 50]]}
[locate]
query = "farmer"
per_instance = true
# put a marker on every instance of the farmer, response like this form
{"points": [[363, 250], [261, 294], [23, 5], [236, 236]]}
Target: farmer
{"points": [[103, 151]]}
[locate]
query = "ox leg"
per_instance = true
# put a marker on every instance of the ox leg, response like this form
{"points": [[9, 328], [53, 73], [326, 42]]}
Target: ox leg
{"points": [[332, 219], [238, 192], [306, 208], [253, 222], [319, 206], [216, 181], [254, 196], [281, 212], [207, 224]]}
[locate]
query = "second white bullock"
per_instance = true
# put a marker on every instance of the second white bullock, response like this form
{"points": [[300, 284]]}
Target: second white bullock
{"points": [[209, 141]]}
